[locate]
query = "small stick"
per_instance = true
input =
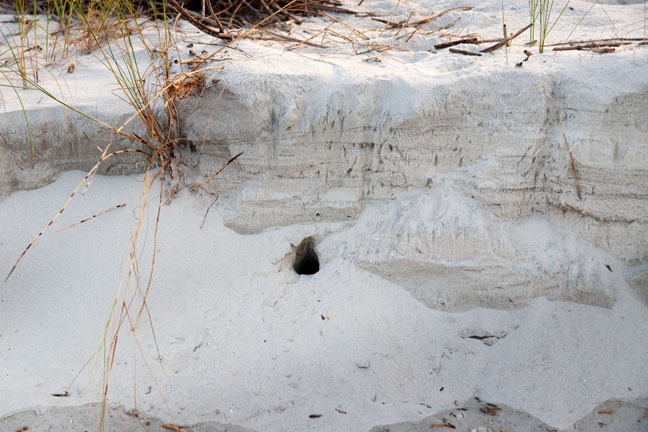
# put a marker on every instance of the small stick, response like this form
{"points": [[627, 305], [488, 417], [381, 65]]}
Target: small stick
{"points": [[471, 40], [92, 217], [279, 37], [445, 424], [464, 52], [412, 34], [505, 41], [504, 30], [440, 14], [573, 168], [173, 427], [196, 22], [608, 47], [208, 208], [218, 171], [603, 50], [425, 20], [405, 23], [601, 41], [445, 27], [389, 23]]}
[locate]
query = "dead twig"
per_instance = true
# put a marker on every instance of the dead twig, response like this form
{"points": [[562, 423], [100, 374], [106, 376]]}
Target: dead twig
{"points": [[174, 428], [218, 171], [421, 21], [227, 19], [470, 40], [573, 168], [464, 52], [596, 47], [505, 41], [445, 424], [208, 208], [490, 408], [198, 23], [601, 41], [92, 217], [280, 37]]}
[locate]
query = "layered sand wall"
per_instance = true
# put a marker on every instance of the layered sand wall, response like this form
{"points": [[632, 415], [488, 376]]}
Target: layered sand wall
{"points": [[468, 153]]}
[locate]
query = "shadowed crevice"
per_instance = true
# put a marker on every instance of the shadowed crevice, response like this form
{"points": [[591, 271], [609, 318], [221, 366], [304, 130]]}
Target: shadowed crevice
{"points": [[306, 261]]}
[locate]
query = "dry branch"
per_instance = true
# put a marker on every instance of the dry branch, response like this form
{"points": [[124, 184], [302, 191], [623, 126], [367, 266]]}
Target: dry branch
{"points": [[573, 168], [421, 21], [470, 40], [601, 47], [226, 16], [505, 41], [602, 41], [465, 52]]}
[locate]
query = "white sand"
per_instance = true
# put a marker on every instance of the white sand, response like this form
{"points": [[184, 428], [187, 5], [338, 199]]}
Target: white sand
{"points": [[425, 298]]}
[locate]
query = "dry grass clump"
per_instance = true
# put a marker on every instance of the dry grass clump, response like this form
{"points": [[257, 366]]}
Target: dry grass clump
{"points": [[51, 30], [119, 34], [233, 14], [224, 14]]}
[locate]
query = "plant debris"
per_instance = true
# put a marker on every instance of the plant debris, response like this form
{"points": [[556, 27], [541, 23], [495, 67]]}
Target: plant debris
{"points": [[490, 408], [599, 46], [218, 17], [445, 424], [465, 52], [174, 428]]}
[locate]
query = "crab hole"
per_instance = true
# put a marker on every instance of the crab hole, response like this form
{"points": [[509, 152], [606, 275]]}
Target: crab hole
{"points": [[306, 261]]}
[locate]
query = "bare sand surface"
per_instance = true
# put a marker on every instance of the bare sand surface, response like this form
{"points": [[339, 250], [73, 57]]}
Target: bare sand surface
{"points": [[465, 282]]}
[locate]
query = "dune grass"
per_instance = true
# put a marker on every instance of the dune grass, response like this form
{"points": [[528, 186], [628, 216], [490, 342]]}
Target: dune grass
{"points": [[541, 16], [133, 41], [134, 48]]}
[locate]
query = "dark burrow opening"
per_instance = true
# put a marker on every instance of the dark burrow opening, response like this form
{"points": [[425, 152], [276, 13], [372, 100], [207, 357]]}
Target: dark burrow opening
{"points": [[306, 261]]}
